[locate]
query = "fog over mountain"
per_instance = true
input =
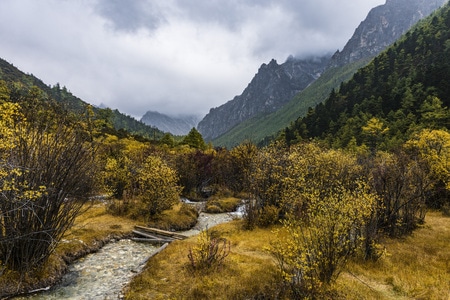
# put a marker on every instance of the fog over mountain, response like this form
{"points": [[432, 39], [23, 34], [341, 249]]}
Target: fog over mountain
{"points": [[171, 56], [275, 85], [180, 125]]}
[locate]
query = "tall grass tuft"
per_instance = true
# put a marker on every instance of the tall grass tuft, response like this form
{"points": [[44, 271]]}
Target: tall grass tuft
{"points": [[209, 253]]}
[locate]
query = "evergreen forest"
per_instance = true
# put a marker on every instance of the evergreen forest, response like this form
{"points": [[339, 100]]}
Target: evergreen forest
{"points": [[351, 201], [405, 89]]}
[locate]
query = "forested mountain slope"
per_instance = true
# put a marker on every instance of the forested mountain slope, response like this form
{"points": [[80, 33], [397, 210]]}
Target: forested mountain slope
{"points": [[404, 89], [271, 88], [15, 77], [383, 25]]}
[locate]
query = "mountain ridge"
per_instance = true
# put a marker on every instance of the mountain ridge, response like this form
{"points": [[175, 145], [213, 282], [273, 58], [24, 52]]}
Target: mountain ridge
{"points": [[273, 86], [316, 93], [383, 25], [11, 74], [180, 125]]}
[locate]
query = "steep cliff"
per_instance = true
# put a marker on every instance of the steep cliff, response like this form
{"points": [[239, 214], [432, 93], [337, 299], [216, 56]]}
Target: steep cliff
{"points": [[272, 87], [383, 26]]}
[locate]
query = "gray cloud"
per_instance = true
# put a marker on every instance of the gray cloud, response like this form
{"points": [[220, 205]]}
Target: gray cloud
{"points": [[131, 15], [172, 56]]}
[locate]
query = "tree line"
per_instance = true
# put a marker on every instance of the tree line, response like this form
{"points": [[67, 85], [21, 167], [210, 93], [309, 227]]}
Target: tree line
{"points": [[405, 88], [334, 183]]}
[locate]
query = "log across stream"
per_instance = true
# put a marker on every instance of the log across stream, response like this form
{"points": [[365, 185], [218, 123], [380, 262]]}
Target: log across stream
{"points": [[104, 274]]}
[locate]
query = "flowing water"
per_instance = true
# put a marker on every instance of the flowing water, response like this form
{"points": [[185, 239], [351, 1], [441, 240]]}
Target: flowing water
{"points": [[103, 275]]}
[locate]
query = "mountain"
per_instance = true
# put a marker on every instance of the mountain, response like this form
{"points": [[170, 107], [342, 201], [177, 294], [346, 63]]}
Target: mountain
{"points": [[405, 89], [12, 75], [383, 25], [272, 87], [261, 129], [174, 125]]}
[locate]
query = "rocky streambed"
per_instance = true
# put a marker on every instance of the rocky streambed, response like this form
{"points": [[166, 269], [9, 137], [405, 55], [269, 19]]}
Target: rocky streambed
{"points": [[206, 220], [104, 274]]}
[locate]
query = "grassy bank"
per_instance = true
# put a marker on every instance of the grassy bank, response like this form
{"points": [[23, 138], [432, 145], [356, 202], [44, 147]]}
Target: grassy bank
{"points": [[416, 267], [92, 229], [222, 205], [248, 270]]}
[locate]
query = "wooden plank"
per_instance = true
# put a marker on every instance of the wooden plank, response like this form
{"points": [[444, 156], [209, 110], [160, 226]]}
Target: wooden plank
{"points": [[161, 232], [155, 231], [147, 235]]}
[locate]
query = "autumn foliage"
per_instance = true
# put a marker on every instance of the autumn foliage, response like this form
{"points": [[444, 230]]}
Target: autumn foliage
{"points": [[327, 204], [47, 170]]}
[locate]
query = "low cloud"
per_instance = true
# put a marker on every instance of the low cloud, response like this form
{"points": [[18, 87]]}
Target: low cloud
{"points": [[168, 55]]}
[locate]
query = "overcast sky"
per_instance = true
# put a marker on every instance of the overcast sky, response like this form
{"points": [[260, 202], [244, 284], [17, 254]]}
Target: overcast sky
{"points": [[171, 56]]}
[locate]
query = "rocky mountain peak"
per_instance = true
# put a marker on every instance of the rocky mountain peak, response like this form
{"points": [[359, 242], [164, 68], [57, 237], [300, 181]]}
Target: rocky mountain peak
{"points": [[383, 26], [272, 87], [272, 64]]}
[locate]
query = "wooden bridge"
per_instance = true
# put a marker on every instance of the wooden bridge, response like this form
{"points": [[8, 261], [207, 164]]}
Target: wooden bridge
{"points": [[155, 236]]}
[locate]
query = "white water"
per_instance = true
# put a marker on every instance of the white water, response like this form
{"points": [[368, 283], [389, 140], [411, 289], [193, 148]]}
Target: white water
{"points": [[103, 275]]}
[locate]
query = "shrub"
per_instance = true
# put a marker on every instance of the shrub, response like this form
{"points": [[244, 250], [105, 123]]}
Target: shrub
{"points": [[318, 245], [446, 209], [210, 252], [118, 207], [188, 210], [402, 185], [47, 173], [250, 215], [158, 185], [268, 215]]}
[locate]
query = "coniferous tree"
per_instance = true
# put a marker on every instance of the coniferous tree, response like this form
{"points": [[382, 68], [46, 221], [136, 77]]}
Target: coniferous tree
{"points": [[194, 139]]}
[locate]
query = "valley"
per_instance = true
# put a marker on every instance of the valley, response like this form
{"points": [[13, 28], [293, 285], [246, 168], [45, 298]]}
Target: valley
{"points": [[327, 178]]}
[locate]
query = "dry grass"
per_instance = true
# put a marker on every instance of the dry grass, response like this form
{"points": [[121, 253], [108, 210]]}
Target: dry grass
{"points": [[247, 271], [91, 230], [222, 205], [416, 267]]}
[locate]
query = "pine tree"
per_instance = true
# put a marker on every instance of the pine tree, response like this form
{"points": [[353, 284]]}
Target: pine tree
{"points": [[194, 139]]}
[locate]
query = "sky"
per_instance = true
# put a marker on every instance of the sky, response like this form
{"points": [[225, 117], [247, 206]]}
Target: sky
{"points": [[177, 57]]}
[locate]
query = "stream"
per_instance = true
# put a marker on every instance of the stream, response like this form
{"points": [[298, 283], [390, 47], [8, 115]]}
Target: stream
{"points": [[103, 274]]}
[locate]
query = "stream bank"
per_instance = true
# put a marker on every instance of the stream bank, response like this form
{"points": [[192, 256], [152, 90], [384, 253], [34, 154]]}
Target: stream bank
{"points": [[103, 274]]}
